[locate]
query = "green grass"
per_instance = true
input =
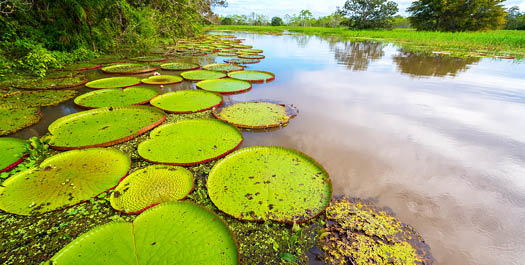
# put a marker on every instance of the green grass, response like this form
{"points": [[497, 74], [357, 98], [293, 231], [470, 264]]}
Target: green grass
{"points": [[497, 42]]}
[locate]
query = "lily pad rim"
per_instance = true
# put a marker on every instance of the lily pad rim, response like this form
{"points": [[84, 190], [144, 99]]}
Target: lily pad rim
{"points": [[216, 112], [20, 160]]}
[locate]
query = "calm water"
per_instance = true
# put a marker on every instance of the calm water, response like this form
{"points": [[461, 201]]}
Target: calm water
{"points": [[440, 140]]}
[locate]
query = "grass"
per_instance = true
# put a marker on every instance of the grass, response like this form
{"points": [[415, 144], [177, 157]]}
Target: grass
{"points": [[497, 42]]}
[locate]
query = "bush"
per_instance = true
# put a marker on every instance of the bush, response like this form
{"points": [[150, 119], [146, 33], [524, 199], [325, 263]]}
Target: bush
{"points": [[38, 61]]}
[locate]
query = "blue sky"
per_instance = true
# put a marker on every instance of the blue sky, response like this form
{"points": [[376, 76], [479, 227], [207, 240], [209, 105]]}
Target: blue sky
{"points": [[272, 8]]}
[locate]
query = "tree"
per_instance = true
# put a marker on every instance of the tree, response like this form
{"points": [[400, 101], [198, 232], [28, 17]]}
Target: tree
{"points": [[277, 21], [515, 19], [226, 21], [305, 16], [368, 14], [457, 15]]}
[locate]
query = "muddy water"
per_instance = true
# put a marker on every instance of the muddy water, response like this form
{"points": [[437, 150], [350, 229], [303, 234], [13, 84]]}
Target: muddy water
{"points": [[440, 140]]}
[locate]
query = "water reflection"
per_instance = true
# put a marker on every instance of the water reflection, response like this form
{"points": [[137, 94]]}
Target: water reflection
{"points": [[421, 64], [358, 55]]}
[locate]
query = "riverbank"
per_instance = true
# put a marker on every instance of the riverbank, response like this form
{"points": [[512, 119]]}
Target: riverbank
{"points": [[506, 43]]}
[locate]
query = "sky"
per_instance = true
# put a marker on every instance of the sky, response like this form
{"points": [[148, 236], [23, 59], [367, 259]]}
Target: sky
{"points": [[279, 8]]}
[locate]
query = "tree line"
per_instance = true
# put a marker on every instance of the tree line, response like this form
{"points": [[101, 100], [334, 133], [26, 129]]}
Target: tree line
{"points": [[429, 15]]}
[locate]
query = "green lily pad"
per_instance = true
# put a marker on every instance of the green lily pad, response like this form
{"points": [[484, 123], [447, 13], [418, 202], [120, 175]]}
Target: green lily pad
{"points": [[36, 98], [269, 183], [114, 97], [224, 86], [81, 67], [114, 82], [252, 76], [187, 101], [127, 68], [223, 67], [190, 142], [249, 51], [162, 80], [14, 118], [242, 61], [179, 66], [150, 186], [52, 83], [12, 152], [198, 75], [63, 180], [227, 54], [103, 126], [171, 233], [250, 56], [254, 115], [147, 59]]}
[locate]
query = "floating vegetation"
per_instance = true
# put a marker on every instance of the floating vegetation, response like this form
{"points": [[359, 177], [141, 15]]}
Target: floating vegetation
{"points": [[171, 233], [114, 82], [242, 61], [52, 83], [127, 68], [14, 118], [103, 126], [225, 85], [179, 66], [187, 101], [12, 152], [249, 51], [81, 67], [252, 76], [36, 98], [227, 54], [250, 56], [162, 80], [361, 233], [148, 59], [63, 180], [198, 75], [115, 97], [150, 186], [223, 67], [190, 142], [269, 183], [254, 115]]}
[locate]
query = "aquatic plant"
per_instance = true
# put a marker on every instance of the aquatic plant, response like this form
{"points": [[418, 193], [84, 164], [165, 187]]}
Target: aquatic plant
{"points": [[173, 232], [249, 51], [224, 85], [162, 80], [242, 61], [250, 56], [150, 186], [190, 142], [179, 66], [12, 152], [227, 54], [254, 114], [252, 75], [361, 233], [127, 68], [81, 67], [187, 101], [269, 183], [52, 83], [223, 67], [36, 98], [198, 75], [147, 59], [114, 97], [103, 126], [63, 180], [15, 117], [114, 82]]}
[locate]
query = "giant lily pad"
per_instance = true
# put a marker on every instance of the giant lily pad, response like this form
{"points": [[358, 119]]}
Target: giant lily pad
{"points": [[269, 183], [223, 67], [15, 117], [190, 142], [52, 83], [114, 97], [36, 98], [253, 76], [254, 114], [242, 61], [146, 59], [187, 101], [127, 68], [103, 126], [171, 233], [162, 80], [225, 85], [12, 152], [63, 180], [150, 186], [198, 75], [114, 82], [81, 67], [179, 66], [250, 56]]}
